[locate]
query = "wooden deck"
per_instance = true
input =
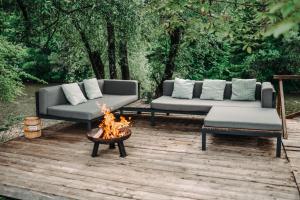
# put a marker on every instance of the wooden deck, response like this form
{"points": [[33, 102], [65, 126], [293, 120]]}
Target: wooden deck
{"points": [[292, 148], [164, 162]]}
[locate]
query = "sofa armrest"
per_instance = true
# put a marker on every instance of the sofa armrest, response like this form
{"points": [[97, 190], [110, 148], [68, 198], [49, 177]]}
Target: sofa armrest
{"points": [[49, 96], [120, 87], [267, 95]]}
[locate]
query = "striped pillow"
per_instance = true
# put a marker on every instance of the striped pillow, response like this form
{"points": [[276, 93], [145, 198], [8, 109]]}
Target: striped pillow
{"points": [[243, 89], [213, 89]]}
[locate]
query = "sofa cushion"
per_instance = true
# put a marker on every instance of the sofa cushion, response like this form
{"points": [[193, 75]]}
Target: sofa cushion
{"points": [[267, 95], [183, 89], [243, 89], [120, 87], [92, 88], [73, 93], [244, 118], [90, 109], [213, 89], [196, 104], [168, 87], [50, 96]]}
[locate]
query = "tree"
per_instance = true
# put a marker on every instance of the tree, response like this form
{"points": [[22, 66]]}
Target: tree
{"points": [[94, 56], [111, 47], [26, 19], [80, 19], [283, 16]]}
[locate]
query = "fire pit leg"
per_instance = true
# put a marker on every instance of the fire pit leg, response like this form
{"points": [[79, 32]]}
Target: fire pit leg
{"points": [[95, 149], [122, 149], [112, 146]]}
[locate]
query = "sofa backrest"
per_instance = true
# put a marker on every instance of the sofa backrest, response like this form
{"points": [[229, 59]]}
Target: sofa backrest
{"points": [[54, 95], [169, 85], [120, 87]]}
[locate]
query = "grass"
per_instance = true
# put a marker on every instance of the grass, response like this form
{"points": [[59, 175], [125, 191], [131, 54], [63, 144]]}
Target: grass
{"points": [[292, 103], [10, 120]]}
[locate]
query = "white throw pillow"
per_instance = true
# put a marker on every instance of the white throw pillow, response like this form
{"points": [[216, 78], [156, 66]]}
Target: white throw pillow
{"points": [[243, 89], [92, 88], [213, 89], [183, 89], [73, 93]]}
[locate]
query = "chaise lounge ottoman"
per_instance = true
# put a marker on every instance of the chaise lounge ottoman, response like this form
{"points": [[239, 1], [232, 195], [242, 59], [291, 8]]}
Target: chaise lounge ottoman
{"points": [[260, 122]]}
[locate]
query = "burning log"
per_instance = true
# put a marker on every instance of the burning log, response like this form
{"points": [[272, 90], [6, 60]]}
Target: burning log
{"points": [[110, 128]]}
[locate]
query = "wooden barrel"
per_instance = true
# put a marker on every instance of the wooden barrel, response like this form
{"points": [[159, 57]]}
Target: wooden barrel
{"points": [[32, 127]]}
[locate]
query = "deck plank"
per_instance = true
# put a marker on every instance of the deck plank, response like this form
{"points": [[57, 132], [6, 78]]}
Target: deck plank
{"points": [[163, 162], [292, 148]]}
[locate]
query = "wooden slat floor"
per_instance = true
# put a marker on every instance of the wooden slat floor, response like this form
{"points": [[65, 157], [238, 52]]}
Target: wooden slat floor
{"points": [[163, 162], [292, 147]]}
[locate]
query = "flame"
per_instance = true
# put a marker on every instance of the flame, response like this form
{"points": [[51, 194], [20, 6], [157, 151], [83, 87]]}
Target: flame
{"points": [[111, 127]]}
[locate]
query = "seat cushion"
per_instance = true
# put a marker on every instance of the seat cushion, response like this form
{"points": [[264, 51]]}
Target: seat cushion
{"points": [[196, 104], [244, 118], [90, 109]]}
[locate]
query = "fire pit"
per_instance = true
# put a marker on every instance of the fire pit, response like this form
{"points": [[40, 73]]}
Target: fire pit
{"points": [[111, 142], [110, 132]]}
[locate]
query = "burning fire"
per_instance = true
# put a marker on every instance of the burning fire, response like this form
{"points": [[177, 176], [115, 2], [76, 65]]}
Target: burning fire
{"points": [[109, 127]]}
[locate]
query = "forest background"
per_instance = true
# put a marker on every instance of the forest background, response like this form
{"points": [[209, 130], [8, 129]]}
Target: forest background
{"points": [[59, 41]]}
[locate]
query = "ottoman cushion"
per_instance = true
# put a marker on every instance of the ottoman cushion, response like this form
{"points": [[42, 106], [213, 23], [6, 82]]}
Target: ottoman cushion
{"points": [[243, 118]]}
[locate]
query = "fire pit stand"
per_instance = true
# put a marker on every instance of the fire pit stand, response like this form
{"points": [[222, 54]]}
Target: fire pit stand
{"points": [[110, 142]]}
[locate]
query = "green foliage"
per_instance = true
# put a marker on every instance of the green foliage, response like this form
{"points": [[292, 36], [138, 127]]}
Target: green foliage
{"points": [[283, 16], [10, 73], [223, 40], [10, 120], [220, 39]]}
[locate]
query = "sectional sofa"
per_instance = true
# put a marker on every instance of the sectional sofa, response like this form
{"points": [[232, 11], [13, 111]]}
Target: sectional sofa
{"points": [[51, 102], [251, 118]]}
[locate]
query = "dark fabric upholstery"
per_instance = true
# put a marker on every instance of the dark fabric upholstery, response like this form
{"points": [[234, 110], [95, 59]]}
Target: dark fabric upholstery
{"points": [[51, 96], [267, 95], [54, 95], [101, 84], [90, 110], [120, 87]]}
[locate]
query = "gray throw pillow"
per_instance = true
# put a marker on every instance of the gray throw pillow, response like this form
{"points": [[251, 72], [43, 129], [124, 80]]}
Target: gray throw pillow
{"points": [[73, 93], [243, 89], [213, 89], [183, 89], [92, 88]]}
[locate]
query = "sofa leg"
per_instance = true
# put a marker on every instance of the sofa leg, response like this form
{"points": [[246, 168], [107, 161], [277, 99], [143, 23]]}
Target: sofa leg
{"points": [[278, 147], [152, 118], [203, 134], [89, 125]]}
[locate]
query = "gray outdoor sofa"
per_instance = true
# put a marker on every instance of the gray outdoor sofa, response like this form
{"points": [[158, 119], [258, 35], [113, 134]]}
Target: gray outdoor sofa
{"points": [[251, 118], [51, 102]]}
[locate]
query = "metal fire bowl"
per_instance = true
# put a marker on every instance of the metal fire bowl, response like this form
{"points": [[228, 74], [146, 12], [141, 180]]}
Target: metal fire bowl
{"points": [[91, 133]]}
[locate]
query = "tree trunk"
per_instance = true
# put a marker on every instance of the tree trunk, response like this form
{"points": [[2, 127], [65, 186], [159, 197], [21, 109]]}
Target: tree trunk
{"points": [[97, 65], [111, 49], [26, 20], [94, 56], [124, 59], [175, 39]]}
